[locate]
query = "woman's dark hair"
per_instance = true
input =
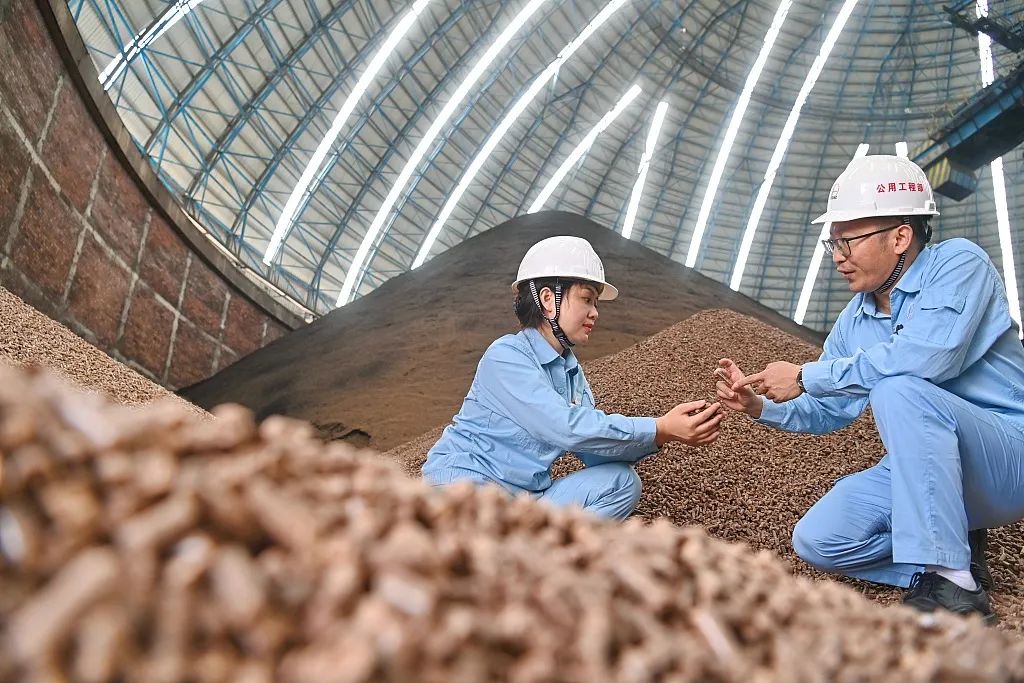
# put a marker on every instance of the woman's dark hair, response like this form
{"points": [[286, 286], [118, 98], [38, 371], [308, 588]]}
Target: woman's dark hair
{"points": [[526, 308]]}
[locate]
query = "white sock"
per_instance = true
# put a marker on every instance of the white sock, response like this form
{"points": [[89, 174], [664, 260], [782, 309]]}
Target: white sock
{"points": [[961, 577]]}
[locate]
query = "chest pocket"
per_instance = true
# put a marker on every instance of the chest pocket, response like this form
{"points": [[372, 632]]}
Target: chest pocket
{"points": [[937, 315]]}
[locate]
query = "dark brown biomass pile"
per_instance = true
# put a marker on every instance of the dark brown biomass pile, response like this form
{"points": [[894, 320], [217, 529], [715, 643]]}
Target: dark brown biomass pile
{"points": [[151, 545], [754, 483]]}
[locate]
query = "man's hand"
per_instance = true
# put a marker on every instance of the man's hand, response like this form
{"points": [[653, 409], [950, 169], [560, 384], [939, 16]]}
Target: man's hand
{"points": [[778, 381], [698, 429], [743, 399]]}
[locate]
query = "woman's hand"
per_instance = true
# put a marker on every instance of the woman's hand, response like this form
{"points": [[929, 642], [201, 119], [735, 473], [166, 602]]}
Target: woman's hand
{"points": [[742, 400], [694, 423]]}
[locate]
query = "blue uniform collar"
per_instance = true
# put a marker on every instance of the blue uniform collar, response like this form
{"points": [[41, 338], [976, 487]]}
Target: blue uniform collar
{"points": [[908, 284], [911, 280], [545, 354]]}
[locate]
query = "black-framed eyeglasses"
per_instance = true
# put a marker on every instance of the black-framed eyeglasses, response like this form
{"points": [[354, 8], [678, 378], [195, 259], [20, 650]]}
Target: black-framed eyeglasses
{"points": [[843, 243]]}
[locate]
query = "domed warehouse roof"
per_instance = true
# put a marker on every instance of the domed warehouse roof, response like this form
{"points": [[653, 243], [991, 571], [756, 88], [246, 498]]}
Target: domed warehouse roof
{"points": [[334, 144]]}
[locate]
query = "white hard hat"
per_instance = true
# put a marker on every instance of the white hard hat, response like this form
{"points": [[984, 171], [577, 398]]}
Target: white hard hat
{"points": [[879, 185], [566, 257]]}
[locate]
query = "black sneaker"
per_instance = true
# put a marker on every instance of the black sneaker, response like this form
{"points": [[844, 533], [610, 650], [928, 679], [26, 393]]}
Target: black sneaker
{"points": [[978, 540], [929, 592]]}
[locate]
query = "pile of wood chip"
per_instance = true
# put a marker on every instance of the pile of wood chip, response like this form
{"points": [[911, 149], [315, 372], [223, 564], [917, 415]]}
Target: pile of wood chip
{"points": [[151, 545]]}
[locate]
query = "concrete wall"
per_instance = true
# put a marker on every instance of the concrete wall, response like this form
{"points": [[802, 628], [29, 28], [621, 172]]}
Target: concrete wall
{"points": [[86, 240]]}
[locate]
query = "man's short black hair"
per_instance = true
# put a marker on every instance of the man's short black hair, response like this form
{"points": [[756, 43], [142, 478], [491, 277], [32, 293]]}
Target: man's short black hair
{"points": [[922, 228]]}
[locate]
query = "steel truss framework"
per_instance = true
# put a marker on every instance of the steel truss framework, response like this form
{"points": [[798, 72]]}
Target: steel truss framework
{"points": [[229, 103]]}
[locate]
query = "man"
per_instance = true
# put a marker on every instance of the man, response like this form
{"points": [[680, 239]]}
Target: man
{"points": [[927, 342]]}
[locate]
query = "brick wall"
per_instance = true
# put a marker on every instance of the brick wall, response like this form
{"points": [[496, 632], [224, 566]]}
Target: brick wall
{"points": [[82, 241]]}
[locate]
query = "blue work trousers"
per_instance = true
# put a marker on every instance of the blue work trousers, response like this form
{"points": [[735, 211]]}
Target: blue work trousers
{"points": [[950, 467], [609, 490]]}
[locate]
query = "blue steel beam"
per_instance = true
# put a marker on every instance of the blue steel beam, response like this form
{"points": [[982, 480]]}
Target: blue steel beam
{"points": [[404, 133], [430, 162], [483, 139], [75, 7], [336, 51], [252, 113], [703, 33], [574, 95], [997, 106], [116, 22], [158, 84], [354, 131], [203, 43], [209, 68], [382, 164], [571, 124], [810, 234], [132, 49], [665, 88], [258, 190], [269, 86], [559, 141]]}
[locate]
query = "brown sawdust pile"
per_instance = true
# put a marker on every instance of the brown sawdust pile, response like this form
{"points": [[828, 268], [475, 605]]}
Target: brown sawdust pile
{"points": [[29, 338], [755, 482], [150, 545]]}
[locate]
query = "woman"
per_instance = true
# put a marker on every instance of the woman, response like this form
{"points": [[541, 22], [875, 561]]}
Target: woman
{"points": [[530, 402]]}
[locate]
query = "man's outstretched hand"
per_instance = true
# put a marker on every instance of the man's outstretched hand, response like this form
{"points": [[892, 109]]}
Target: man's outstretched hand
{"points": [[777, 381]]}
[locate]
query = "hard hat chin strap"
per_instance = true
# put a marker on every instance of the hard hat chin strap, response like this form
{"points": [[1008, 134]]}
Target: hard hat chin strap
{"points": [[894, 276], [897, 271], [553, 321]]}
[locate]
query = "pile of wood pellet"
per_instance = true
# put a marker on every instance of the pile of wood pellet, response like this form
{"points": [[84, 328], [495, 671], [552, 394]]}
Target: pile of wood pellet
{"points": [[150, 545], [29, 338], [754, 483]]}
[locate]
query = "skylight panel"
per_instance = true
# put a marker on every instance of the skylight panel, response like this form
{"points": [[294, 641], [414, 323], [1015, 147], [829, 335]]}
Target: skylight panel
{"points": [[295, 199], [584, 147], [819, 253], [730, 134], [645, 164], [171, 16], [988, 74], [359, 263], [510, 118], [783, 144]]}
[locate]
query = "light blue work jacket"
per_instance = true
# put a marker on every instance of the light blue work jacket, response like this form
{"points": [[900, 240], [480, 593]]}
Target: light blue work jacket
{"points": [[526, 407], [950, 325]]}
